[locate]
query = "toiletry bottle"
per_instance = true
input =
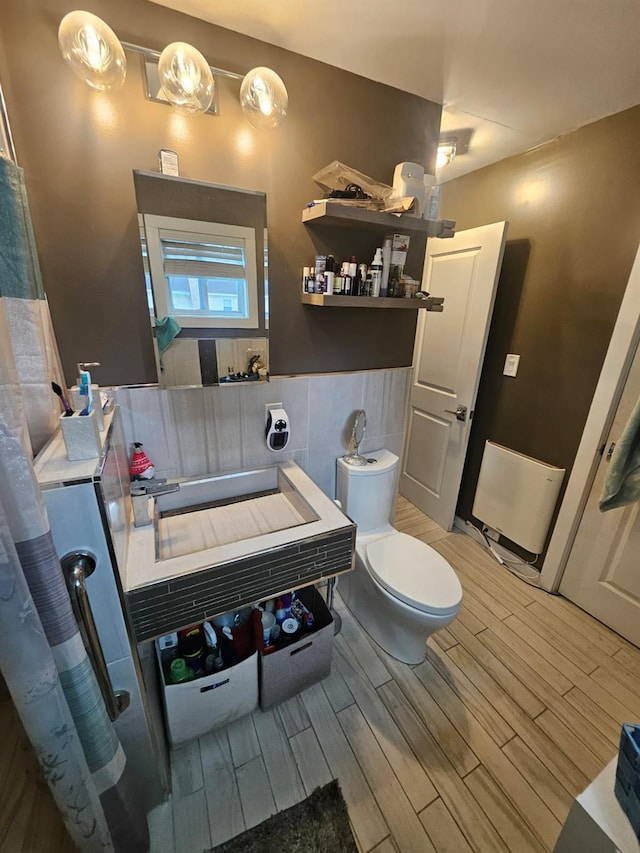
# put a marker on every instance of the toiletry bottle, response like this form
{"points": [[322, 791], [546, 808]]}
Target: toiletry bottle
{"points": [[376, 273], [346, 279], [353, 267], [362, 280], [311, 283], [329, 274], [432, 207], [305, 279], [386, 265]]}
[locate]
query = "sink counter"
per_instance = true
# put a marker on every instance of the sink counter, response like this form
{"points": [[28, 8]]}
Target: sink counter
{"points": [[223, 542]]}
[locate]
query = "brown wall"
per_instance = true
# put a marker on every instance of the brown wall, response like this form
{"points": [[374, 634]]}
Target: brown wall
{"points": [[79, 147], [573, 208]]}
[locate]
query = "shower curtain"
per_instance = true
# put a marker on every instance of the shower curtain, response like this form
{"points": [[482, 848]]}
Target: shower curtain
{"points": [[28, 353], [42, 656]]}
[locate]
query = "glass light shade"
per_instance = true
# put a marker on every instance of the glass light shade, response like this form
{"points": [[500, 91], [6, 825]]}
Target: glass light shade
{"points": [[92, 50], [446, 153], [187, 81], [264, 98]]}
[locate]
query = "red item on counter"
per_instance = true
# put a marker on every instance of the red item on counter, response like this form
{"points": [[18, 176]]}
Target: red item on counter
{"points": [[141, 468]]}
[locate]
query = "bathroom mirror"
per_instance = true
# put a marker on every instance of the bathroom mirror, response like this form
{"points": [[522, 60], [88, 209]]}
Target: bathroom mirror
{"points": [[204, 251]]}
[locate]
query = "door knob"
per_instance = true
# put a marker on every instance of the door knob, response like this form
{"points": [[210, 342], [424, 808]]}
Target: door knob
{"points": [[460, 413]]}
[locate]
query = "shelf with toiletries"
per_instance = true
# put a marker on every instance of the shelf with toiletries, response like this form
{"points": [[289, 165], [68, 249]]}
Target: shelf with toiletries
{"points": [[325, 300], [332, 213], [383, 283]]}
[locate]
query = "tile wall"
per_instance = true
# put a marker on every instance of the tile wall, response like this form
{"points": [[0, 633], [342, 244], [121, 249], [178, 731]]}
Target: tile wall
{"points": [[211, 430]]}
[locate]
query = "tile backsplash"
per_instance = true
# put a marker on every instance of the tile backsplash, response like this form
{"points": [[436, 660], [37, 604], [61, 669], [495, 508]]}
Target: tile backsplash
{"points": [[210, 430]]}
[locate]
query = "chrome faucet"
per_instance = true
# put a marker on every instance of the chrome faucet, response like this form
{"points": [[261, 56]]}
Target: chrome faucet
{"points": [[143, 489]]}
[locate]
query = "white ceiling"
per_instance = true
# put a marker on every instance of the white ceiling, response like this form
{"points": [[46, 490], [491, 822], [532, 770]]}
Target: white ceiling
{"points": [[515, 73]]}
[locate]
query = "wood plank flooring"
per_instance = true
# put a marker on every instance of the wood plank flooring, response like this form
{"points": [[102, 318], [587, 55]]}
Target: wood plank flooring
{"points": [[482, 747], [29, 818]]}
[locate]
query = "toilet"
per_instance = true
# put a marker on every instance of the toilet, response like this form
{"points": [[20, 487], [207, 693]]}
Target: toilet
{"points": [[401, 591]]}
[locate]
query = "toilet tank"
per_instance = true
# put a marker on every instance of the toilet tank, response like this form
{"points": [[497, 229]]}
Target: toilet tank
{"points": [[367, 492]]}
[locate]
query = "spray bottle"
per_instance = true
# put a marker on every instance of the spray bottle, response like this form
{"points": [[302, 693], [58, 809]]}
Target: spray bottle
{"points": [[376, 273]]}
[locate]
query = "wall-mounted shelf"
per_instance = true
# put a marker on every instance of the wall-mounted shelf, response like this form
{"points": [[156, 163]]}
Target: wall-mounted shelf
{"points": [[323, 300], [330, 213]]}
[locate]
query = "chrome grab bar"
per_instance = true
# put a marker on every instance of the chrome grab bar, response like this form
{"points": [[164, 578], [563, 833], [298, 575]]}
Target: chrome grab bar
{"points": [[77, 567]]}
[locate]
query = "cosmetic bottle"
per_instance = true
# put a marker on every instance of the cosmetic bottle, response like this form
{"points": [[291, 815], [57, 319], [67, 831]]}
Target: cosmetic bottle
{"points": [[346, 279], [320, 266], [305, 279], [329, 274], [362, 279], [353, 267], [386, 265], [311, 282], [376, 273]]}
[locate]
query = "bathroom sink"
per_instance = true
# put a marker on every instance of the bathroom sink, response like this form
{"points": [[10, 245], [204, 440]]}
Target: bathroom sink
{"points": [[222, 542], [216, 511]]}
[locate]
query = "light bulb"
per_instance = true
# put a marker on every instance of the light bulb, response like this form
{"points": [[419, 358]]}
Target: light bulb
{"points": [[92, 50], [187, 81], [264, 98], [445, 155]]}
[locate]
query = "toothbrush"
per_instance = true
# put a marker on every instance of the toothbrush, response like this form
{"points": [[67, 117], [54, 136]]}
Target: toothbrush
{"points": [[68, 411], [86, 391]]}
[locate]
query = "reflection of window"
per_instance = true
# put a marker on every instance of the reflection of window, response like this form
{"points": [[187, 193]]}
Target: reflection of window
{"points": [[203, 274]]}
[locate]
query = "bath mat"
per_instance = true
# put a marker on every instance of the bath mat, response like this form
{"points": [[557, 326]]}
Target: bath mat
{"points": [[319, 824]]}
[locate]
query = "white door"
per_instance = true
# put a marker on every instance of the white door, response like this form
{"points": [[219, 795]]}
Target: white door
{"points": [[447, 363], [602, 573]]}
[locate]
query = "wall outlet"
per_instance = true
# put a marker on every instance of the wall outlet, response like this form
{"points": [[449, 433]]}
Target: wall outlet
{"points": [[491, 532], [511, 365]]}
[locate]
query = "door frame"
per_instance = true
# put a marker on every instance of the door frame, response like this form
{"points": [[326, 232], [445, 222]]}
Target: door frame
{"points": [[622, 348]]}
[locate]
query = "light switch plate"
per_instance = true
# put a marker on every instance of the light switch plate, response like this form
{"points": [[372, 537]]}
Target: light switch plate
{"points": [[511, 365]]}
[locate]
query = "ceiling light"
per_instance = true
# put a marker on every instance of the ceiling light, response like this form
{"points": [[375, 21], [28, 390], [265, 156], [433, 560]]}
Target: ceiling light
{"points": [[264, 98], [446, 153], [187, 81], [92, 50]]}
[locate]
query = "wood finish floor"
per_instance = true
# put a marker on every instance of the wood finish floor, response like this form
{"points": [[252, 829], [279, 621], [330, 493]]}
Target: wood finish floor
{"points": [[29, 818], [482, 747]]}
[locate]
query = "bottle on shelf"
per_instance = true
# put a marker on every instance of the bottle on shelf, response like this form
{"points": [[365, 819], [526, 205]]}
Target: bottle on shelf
{"points": [[376, 273]]}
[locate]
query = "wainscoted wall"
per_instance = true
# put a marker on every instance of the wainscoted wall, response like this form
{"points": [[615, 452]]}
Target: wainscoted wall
{"points": [[211, 430]]}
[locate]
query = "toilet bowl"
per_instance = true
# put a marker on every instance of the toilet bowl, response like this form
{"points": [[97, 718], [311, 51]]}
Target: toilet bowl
{"points": [[401, 591]]}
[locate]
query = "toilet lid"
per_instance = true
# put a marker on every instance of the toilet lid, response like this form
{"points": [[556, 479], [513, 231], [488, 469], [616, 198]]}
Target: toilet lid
{"points": [[414, 573]]}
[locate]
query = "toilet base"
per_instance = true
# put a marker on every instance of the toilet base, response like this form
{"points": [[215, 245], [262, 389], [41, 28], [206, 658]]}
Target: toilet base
{"points": [[402, 631]]}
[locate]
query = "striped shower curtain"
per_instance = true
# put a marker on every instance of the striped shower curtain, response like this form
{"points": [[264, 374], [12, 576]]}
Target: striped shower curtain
{"points": [[42, 656], [28, 354]]}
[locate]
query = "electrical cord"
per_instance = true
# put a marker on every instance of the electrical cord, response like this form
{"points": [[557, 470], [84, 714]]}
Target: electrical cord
{"points": [[532, 580]]}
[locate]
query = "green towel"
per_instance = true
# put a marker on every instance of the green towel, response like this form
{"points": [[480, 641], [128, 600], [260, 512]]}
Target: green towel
{"points": [[166, 330], [622, 483]]}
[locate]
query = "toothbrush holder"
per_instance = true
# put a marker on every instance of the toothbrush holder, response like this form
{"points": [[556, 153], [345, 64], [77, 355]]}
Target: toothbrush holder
{"points": [[81, 436], [79, 402]]}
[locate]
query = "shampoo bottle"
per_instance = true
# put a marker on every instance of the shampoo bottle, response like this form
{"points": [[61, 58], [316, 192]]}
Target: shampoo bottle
{"points": [[376, 273]]}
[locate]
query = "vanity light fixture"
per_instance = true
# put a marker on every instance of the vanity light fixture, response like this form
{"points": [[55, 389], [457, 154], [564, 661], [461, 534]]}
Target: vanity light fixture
{"points": [[446, 152], [179, 76]]}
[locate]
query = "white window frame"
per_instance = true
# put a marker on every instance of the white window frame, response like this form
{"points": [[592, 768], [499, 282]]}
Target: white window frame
{"points": [[154, 225]]}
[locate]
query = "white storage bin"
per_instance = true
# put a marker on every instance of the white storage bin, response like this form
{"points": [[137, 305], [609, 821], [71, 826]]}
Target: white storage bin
{"points": [[196, 707], [296, 666]]}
